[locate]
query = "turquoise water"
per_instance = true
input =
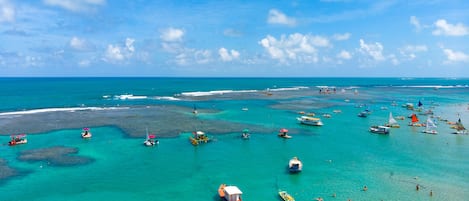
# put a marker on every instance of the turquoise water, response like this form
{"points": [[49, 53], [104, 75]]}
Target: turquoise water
{"points": [[339, 157]]}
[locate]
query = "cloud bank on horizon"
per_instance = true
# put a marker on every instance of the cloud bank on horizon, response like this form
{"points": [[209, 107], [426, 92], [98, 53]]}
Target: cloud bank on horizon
{"points": [[234, 38]]}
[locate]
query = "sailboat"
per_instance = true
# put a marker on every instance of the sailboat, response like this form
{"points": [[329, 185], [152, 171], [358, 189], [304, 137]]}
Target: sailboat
{"points": [[150, 140], [460, 129], [415, 121], [430, 127], [392, 122]]}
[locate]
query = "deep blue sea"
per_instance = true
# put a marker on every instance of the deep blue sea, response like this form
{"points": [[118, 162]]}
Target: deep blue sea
{"points": [[338, 158]]}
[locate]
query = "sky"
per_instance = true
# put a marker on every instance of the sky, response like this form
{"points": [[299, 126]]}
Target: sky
{"points": [[237, 38]]}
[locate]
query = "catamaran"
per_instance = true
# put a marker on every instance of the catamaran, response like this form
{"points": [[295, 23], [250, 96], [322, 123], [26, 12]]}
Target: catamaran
{"points": [[430, 127]]}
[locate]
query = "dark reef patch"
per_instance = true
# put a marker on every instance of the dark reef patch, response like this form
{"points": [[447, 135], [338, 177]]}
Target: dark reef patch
{"points": [[55, 156]]}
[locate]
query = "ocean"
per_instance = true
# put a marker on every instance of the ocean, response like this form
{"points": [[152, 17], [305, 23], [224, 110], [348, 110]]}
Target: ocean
{"points": [[339, 158]]}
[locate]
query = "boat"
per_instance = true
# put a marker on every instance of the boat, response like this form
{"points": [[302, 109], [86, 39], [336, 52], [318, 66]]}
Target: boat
{"points": [[327, 115], [86, 133], [409, 106], [460, 129], [363, 114], [199, 137], [244, 109], [392, 122], [310, 121], [18, 139], [229, 193], [283, 133], [150, 140], [430, 127], [245, 134], [379, 129], [414, 121], [285, 196], [295, 165]]}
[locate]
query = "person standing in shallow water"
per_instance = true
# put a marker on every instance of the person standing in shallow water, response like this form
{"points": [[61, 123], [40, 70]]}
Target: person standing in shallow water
{"points": [[417, 187]]}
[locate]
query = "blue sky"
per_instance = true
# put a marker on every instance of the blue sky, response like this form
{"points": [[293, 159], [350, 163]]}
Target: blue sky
{"points": [[308, 38]]}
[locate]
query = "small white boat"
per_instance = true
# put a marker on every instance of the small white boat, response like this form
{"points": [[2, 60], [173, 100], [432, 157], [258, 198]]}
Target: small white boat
{"points": [[379, 129], [86, 133], [310, 121], [295, 165], [229, 193], [392, 122]]}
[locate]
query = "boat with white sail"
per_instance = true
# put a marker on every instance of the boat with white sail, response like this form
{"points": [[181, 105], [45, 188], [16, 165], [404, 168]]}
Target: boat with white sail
{"points": [[392, 122], [430, 127]]}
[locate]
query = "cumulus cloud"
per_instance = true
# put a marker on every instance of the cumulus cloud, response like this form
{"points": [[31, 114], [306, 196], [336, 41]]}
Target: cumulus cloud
{"points": [[454, 56], [119, 53], [277, 17], [7, 11], [447, 29], [372, 50], [172, 35], [344, 55], [80, 44], [344, 36], [226, 55], [75, 5], [295, 47], [191, 56]]}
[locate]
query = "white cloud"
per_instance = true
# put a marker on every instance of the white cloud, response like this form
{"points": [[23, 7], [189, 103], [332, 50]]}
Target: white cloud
{"points": [[191, 56], [410, 51], [414, 21], [372, 50], [454, 56], [7, 11], [119, 54], [172, 35], [344, 55], [84, 63], [80, 44], [296, 47], [277, 17], [75, 5], [444, 28], [226, 55], [344, 36]]}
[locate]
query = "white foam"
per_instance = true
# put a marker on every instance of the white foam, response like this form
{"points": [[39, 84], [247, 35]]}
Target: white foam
{"points": [[71, 109], [166, 98], [217, 92], [129, 97], [288, 89], [435, 86]]}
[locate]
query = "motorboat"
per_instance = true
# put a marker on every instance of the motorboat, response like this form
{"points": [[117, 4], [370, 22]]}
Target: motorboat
{"points": [[229, 193], [295, 165], [379, 129], [310, 121], [86, 133], [283, 133], [199, 137], [18, 139], [286, 196]]}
